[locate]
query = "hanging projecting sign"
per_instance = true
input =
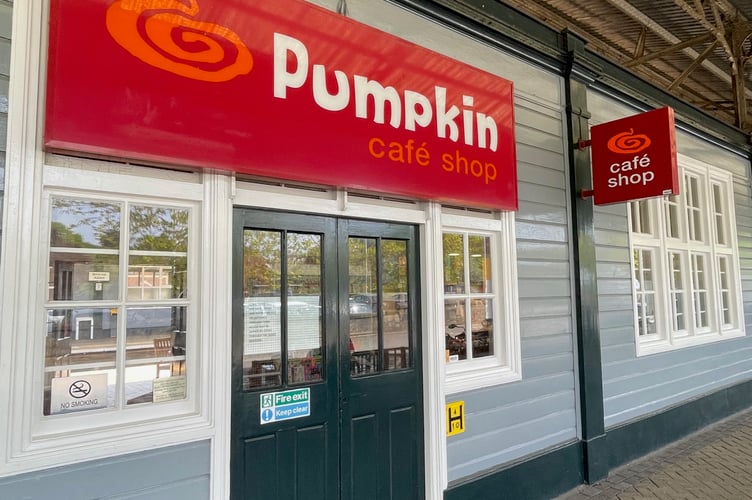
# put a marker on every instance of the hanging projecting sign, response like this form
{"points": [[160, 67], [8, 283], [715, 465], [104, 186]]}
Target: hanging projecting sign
{"points": [[281, 89], [634, 157]]}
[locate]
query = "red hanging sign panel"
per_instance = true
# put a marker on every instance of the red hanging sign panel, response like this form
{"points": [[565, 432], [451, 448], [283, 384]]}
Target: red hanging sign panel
{"points": [[634, 157], [281, 89]]}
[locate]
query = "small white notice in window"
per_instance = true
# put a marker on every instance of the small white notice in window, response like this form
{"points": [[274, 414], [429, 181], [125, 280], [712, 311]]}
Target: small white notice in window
{"points": [[169, 389], [99, 276]]}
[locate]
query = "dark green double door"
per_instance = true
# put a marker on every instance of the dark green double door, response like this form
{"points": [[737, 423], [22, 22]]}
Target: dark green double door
{"points": [[326, 370]]}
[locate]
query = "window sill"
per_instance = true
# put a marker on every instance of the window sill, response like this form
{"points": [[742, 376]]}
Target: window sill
{"points": [[479, 377], [656, 347], [77, 445]]}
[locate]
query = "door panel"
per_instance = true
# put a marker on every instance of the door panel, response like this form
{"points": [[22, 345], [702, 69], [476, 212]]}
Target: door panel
{"points": [[327, 305]]}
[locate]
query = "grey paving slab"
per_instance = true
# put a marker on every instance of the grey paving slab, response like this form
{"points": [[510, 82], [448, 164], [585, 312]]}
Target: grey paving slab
{"points": [[714, 463]]}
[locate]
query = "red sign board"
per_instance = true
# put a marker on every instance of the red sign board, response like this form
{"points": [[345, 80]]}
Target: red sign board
{"points": [[634, 157], [280, 89]]}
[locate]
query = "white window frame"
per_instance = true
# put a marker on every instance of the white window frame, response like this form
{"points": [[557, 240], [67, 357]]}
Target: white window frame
{"points": [[675, 260], [42, 441], [505, 365]]}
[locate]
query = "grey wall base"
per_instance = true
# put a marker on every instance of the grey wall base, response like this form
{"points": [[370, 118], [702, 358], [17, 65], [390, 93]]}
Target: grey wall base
{"points": [[174, 472], [550, 474]]}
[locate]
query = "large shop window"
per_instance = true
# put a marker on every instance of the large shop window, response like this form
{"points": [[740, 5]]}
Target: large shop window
{"points": [[117, 309], [481, 336], [685, 267]]}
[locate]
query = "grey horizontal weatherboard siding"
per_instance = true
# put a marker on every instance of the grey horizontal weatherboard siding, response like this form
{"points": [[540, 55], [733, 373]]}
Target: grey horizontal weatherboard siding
{"points": [[637, 386], [507, 422], [174, 472]]}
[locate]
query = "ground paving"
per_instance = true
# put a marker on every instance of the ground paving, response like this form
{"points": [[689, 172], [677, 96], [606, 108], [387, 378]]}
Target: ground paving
{"points": [[714, 463]]}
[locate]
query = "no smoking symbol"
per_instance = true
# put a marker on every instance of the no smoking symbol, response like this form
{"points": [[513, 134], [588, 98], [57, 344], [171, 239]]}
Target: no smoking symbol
{"points": [[79, 389]]}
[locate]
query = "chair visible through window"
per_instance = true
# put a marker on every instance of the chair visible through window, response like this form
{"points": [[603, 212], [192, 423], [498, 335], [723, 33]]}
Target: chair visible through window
{"points": [[163, 349]]}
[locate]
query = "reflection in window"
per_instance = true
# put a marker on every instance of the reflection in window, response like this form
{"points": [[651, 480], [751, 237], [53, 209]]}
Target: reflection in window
{"points": [[277, 308], [85, 343], [644, 291], [468, 296], [379, 306]]}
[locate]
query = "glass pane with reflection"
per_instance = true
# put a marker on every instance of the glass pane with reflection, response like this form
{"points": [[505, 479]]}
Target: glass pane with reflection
{"points": [[262, 312], [156, 278], [454, 263], [158, 229], [83, 276], [79, 342], [482, 327], [155, 348], [480, 263], [85, 224], [395, 304], [454, 330], [363, 306], [304, 325]]}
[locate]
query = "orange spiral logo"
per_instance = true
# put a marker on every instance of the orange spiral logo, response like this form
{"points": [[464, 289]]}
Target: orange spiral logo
{"points": [[161, 34], [627, 143]]}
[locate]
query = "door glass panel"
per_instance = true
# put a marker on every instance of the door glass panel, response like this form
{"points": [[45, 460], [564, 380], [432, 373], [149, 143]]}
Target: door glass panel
{"points": [[395, 311], [262, 313], [304, 327], [363, 305]]}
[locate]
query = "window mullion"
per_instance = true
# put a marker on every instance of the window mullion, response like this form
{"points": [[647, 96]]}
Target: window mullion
{"points": [[122, 312]]}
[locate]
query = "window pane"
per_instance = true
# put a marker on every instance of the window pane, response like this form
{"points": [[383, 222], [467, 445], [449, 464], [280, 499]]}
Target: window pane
{"points": [[396, 307], [78, 341], [671, 212], [482, 327], [644, 291], [155, 350], [641, 217], [725, 291], [157, 278], [84, 224], [700, 292], [158, 229], [454, 330], [262, 314], [480, 264], [454, 263], [83, 276], [720, 219], [677, 291], [304, 331], [363, 305], [693, 202], [155, 332]]}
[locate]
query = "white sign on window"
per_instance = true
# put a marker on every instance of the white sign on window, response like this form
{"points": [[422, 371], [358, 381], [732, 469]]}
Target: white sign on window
{"points": [[84, 392], [99, 276]]}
